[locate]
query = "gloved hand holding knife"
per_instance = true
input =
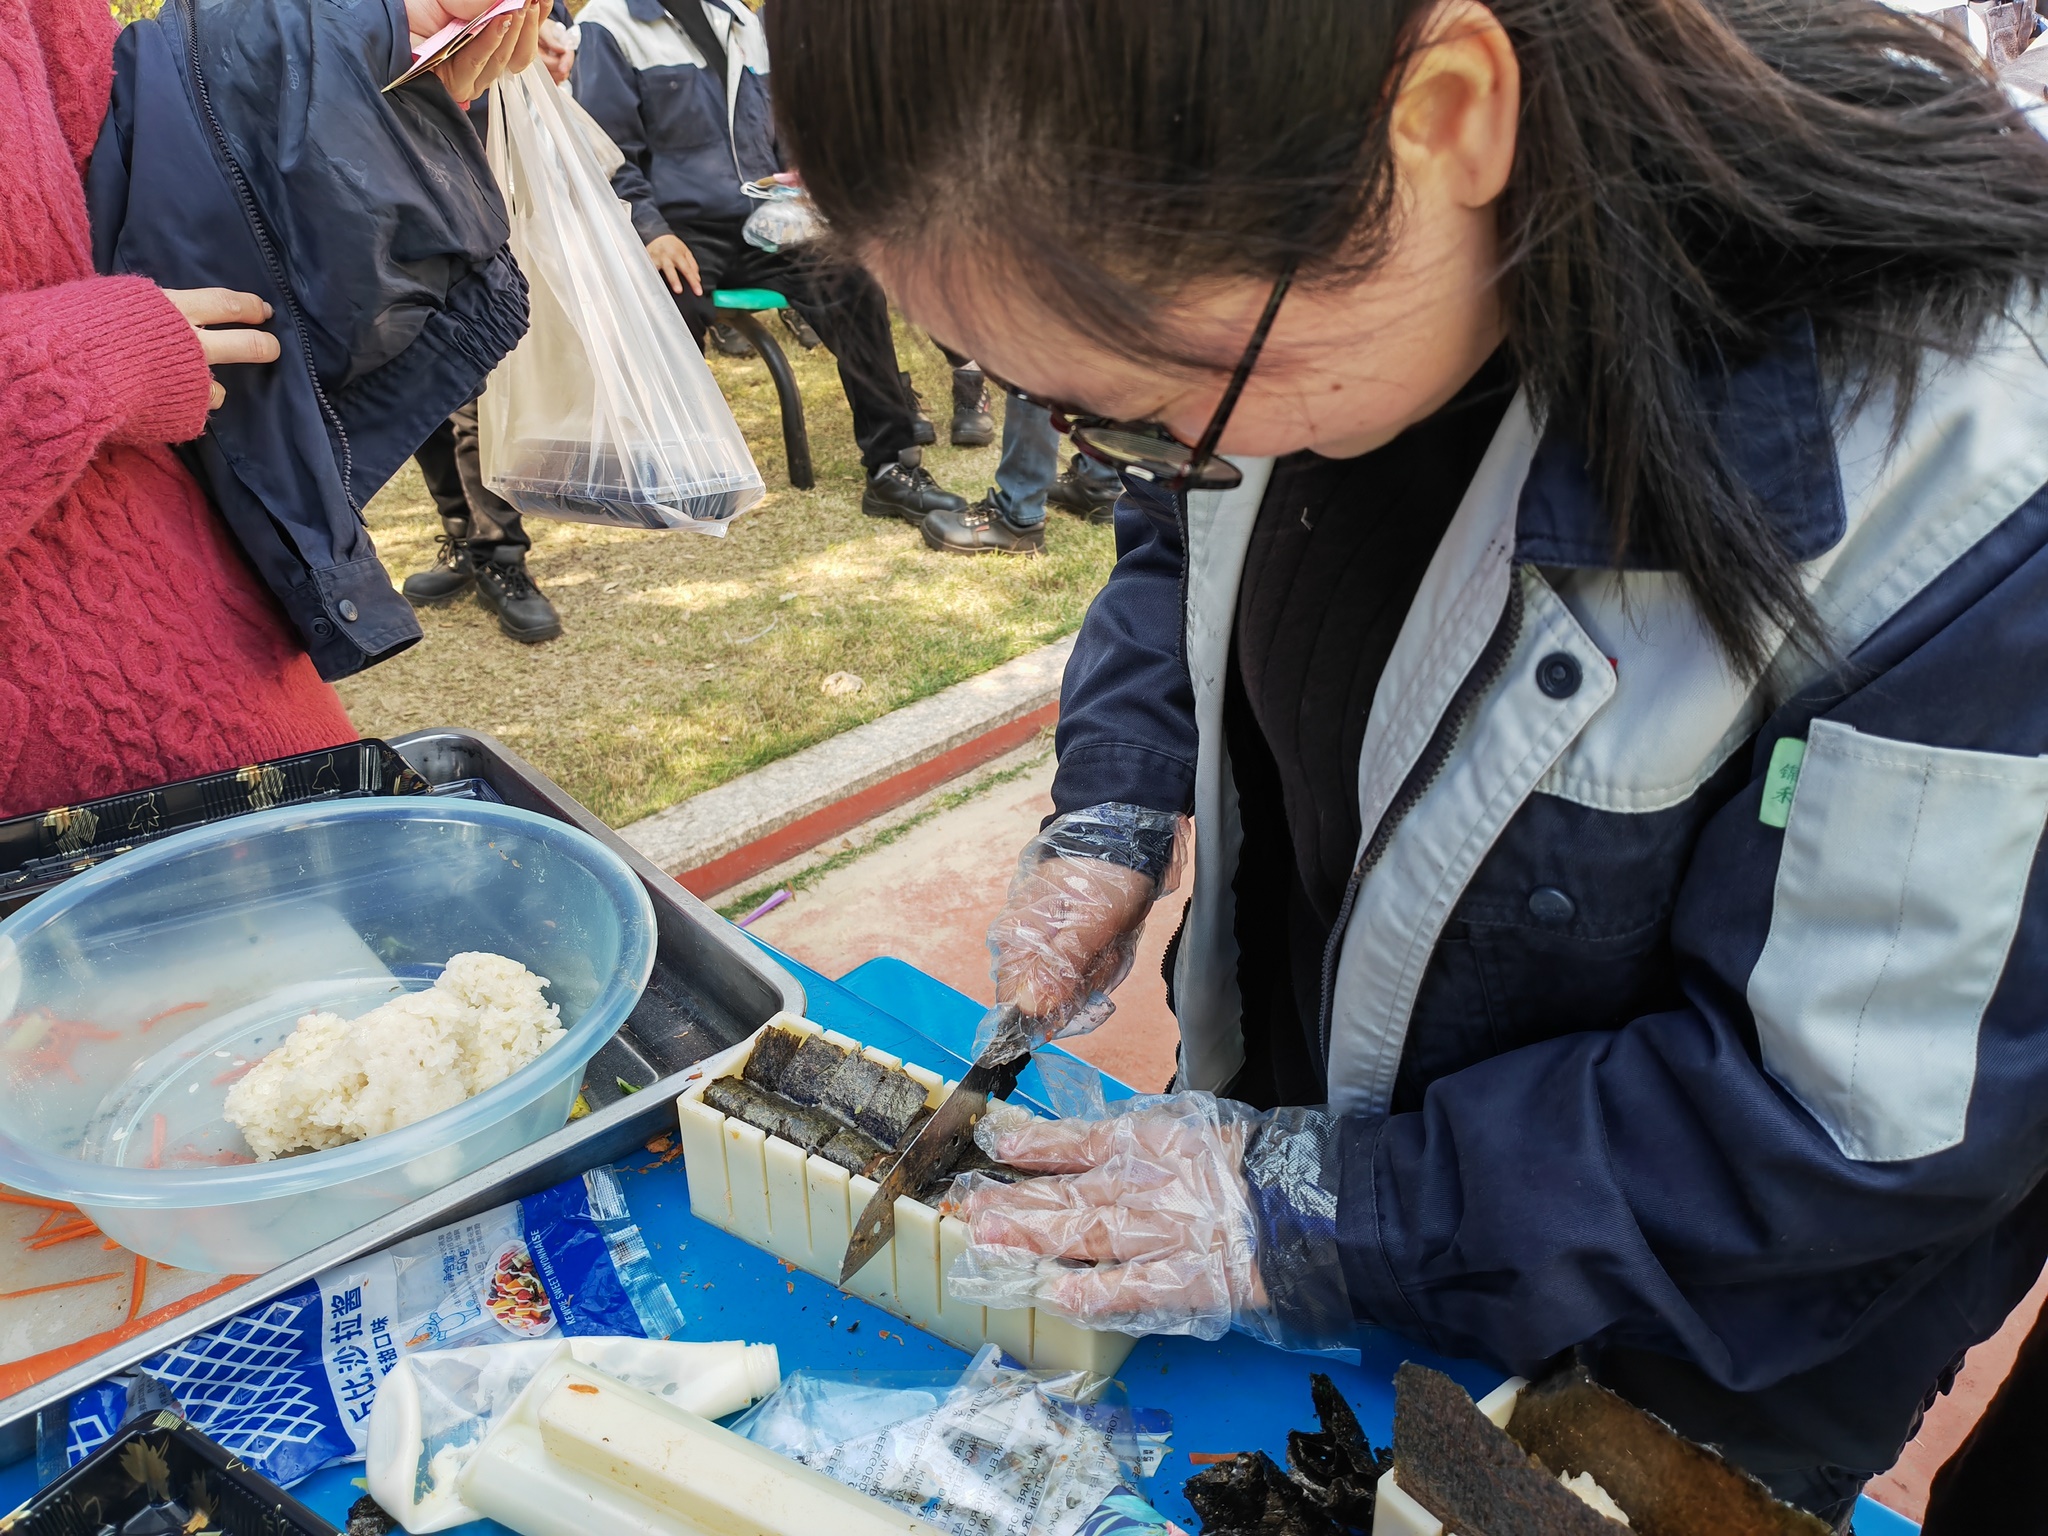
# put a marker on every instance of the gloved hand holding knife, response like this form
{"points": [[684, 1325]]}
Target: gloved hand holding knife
{"points": [[1064, 939]]}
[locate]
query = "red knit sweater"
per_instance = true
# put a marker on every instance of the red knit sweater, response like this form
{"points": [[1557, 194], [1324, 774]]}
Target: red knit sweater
{"points": [[136, 645]]}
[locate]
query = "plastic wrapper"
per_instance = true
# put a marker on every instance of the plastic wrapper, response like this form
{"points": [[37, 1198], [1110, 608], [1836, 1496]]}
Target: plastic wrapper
{"points": [[993, 1452], [1069, 927], [606, 411], [436, 1408], [289, 1387], [785, 219]]}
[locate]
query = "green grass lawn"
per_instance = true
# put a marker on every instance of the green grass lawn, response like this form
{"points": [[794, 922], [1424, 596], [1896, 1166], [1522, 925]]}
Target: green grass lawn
{"points": [[686, 660]]}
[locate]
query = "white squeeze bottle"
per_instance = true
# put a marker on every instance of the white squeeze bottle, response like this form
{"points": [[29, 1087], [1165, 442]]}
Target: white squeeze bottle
{"points": [[435, 1408]]}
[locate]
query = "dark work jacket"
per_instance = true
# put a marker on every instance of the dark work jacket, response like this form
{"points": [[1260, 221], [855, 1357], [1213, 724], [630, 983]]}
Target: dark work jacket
{"points": [[1639, 1039], [689, 138], [259, 154]]}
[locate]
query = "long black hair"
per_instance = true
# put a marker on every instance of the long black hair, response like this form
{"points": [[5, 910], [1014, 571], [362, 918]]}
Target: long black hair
{"points": [[1691, 177]]}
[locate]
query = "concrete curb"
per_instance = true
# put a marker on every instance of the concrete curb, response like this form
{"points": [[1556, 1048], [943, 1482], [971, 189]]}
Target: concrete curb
{"points": [[723, 836]]}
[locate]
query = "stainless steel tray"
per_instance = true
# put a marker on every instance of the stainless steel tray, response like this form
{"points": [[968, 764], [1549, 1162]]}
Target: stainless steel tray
{"points": [[711, 988]]}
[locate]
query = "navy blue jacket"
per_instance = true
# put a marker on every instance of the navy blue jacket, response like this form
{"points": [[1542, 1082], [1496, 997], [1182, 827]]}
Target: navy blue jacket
{"points": [[257, 153], [690, 139], [1645, 1038]]}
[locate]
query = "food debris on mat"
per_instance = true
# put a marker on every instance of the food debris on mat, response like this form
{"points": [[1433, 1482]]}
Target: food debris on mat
{"points": [[336, 1080]]}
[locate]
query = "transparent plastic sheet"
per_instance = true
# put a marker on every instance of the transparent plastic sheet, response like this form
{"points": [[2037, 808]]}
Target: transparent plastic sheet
{"points": [[606, 411], [1069, 927], [991, 1452], [786, 218]]}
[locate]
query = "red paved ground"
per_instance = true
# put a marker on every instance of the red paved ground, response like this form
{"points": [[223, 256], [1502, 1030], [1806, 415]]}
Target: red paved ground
{"points": [[928, 898]]}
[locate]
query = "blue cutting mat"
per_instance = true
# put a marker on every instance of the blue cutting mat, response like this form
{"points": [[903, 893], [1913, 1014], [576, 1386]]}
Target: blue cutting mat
{"points": [[1232, 1395]]}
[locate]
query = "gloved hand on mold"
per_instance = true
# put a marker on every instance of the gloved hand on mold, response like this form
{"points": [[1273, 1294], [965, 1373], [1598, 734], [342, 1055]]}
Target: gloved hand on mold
{"points": [[1183, 1213]]}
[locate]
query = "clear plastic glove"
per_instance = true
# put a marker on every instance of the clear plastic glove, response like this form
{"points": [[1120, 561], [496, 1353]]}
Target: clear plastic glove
{"points": [[1178, 1214], [1069, 928]]}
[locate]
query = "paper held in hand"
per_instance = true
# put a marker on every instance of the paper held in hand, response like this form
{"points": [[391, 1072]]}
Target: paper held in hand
{"points": [[444, 44]]}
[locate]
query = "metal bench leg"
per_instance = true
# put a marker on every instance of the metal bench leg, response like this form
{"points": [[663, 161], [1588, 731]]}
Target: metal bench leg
{"points": [[796, 441]]}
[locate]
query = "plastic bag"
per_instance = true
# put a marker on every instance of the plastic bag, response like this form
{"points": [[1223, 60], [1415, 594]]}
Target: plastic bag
{"points": [[290, 1386], [993, 1452], [786, 218], [606, 411]]}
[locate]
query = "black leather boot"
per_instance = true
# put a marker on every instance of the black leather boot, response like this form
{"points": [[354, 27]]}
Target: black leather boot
{"points": [[452, 573], [907, 490], [982, 530], [920, 424], [973, 426], [1086, 498], [504, 588]]}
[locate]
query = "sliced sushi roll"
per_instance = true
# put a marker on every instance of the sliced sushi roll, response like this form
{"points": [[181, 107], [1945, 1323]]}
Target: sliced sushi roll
{"points": [[891, 1108], [768, 1062], [813, 1066]]}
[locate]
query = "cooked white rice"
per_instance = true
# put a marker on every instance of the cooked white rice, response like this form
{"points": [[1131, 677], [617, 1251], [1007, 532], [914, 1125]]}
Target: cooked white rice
{"points": [[340, 1080]]}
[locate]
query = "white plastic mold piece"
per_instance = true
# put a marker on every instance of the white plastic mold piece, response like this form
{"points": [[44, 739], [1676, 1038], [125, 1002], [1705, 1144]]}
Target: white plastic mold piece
{"points": [[801, 1209], [1394, 1510], [582, 1452]]}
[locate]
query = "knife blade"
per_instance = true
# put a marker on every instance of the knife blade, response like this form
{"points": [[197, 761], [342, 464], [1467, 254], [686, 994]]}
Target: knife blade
{"points": [[935, 1148]]}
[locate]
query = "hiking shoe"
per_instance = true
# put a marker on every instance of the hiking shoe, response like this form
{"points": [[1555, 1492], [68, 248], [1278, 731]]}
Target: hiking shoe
{"points": [[523, 610], [452, 574], [729, 340], [973, 426], [800, 330], [1086, 498], [924, 434], [981, 530], [907, 490]]}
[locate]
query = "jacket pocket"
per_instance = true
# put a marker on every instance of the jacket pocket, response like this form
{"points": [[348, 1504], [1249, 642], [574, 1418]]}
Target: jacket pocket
{"points": [[1899, 888]]}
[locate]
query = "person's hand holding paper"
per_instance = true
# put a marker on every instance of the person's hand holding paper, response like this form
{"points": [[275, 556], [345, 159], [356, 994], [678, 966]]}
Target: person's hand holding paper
{"points": [[469, 44]]}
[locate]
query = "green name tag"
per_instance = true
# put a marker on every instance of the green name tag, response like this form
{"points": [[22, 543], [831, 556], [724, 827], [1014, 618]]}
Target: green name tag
{"points": [[1780, 779]]}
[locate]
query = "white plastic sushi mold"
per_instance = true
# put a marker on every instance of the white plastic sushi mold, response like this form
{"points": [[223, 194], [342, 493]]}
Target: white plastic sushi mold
{"points": [[801, 1208]]}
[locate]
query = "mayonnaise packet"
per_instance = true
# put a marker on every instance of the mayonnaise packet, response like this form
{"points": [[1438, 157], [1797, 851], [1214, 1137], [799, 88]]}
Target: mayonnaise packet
{"points": [[289, 1385]]}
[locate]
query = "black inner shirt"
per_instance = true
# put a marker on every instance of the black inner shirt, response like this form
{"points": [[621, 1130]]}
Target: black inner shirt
{"points": [[1336, 557]]}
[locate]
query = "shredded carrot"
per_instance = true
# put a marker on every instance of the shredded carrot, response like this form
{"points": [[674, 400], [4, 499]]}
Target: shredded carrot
{"points": [[8, 1197], [64, 1235], [158, 1129], [110, 1245], [157, 1018], [234, 1074], [61, 1285], [141, 1279], [52, 1053]]}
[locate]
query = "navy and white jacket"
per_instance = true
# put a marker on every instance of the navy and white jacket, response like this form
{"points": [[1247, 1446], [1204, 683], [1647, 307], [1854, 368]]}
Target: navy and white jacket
{"points": [[249, 144], [689, 139], [1619, 1064]]}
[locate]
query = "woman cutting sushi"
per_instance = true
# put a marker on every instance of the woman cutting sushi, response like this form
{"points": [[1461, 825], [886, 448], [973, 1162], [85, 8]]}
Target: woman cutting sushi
{"points": [[1604, 675]]}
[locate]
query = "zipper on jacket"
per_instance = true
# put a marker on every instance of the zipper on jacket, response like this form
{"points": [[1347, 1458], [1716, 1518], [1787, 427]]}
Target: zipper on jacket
{"points": [[190, 12], [1486, 671]]}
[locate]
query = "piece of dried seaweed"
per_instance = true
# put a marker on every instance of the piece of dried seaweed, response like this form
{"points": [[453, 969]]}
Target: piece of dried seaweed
{"points": [[1328, 1488]]}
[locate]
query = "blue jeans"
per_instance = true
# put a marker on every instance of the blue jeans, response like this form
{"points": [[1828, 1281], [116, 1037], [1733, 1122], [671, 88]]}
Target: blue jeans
{"points": [[1031, 462]]}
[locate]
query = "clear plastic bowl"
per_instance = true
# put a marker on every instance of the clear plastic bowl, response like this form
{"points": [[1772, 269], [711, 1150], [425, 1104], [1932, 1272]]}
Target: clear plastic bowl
{"points": [[132, 996]]}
